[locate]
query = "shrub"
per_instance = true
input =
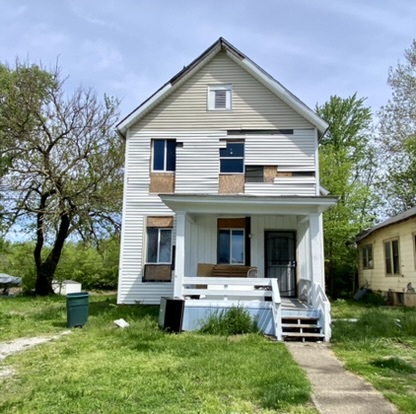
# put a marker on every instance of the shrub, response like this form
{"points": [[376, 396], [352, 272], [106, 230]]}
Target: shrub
{"points": [[233, 321]]}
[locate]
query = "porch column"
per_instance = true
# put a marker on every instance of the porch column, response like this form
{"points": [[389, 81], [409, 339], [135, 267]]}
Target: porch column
{"points": [[317, 248], [180, 253]]}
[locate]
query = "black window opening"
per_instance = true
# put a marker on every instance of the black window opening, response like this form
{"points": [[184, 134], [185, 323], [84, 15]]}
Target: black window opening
{"points": [[254, 174], [164, 155], [232, 158]]}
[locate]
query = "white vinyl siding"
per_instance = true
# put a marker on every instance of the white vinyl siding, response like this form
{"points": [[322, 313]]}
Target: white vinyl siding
{"points": [[253, 105], [197, 163], [138, 203], [291, 152], [285, 186]]}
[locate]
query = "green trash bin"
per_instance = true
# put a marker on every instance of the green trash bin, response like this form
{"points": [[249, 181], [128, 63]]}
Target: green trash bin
{"points": [[77, 309]]}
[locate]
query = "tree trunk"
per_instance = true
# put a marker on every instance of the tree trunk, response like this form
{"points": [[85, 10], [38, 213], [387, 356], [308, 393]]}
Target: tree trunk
{"points": [[46, 269]]}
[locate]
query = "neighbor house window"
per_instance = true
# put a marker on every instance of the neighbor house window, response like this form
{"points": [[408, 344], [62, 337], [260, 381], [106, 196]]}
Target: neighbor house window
{"points": [[414, 247], [232, 157], [367, 254], [159, 245], [391, 255], [220, 97], [231, 246], [164, 155]]}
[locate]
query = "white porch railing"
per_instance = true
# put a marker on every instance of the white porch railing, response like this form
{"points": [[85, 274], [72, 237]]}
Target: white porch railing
{"points": [[236, 291], [316, 297]]}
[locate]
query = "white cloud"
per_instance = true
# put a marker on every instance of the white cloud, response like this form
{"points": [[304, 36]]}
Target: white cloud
{"points": [[100, 55]]}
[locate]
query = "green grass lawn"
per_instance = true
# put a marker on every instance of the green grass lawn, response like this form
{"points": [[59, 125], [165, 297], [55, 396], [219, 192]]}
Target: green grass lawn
{"points": [[381, 347], [141, 369]]}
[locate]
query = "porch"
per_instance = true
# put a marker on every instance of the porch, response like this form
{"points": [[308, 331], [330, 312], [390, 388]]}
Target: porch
{"points": [[281, 237], [285, 318]]}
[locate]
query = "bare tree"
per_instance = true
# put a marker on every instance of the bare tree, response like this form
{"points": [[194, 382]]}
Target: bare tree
{"points": [[65, 174]]}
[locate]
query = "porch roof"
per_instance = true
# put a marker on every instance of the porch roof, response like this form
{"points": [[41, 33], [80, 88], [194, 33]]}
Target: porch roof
{"points": [[247, 204]]}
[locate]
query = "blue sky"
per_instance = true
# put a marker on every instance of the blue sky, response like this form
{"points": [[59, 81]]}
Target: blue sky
{"points": [[128, 48]]}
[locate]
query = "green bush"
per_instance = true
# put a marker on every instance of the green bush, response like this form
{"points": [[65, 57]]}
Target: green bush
{"points": [[233, 321]]}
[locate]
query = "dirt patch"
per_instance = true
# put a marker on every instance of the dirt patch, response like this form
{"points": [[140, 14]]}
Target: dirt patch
{"points": [[19, 345]]}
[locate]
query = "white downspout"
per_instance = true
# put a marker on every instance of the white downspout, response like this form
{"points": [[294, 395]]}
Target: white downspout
{"points": [[180, 254]]}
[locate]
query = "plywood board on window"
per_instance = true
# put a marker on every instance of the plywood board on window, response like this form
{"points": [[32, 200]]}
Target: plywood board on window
{"points": [[157, 273], [162, 183], [155, 221], [269, 173], [232, 223], [231, 183], [284, 174]]}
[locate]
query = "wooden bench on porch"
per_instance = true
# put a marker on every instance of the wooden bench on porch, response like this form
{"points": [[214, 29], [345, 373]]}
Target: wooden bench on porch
{"points": [[222, 270]]}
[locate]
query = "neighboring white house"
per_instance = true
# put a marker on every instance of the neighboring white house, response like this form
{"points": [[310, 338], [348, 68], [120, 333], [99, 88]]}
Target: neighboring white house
{"points": [[222, 176]]}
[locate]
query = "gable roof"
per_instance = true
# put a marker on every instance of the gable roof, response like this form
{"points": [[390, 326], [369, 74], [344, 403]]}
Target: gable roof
{"points": [[256, 71], [392, 220]]}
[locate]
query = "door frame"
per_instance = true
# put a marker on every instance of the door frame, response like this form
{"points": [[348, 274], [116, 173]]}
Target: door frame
{"points": [[294, 267]]}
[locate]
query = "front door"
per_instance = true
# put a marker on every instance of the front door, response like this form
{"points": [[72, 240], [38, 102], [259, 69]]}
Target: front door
{"points": [[281, 260]]}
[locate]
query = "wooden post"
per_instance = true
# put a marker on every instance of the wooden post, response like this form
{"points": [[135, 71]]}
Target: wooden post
{"points": [[317, 248]]}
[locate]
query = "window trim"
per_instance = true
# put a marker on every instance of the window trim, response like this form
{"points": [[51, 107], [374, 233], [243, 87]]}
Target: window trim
{"points": [[231, 230], [165, 155], [228, 97], [366, 262], [391, 253], [157, 262], [232, 158]]}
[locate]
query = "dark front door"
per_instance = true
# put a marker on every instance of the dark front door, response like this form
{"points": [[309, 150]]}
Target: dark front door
{"points": [[281, 260]]}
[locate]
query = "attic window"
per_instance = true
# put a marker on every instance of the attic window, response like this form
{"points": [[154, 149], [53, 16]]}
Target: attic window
{"points": [[219, 97]]}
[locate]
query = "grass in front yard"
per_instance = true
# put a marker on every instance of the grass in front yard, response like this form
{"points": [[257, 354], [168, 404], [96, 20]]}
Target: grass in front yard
{"points": [[141, 369], [381, 347]]}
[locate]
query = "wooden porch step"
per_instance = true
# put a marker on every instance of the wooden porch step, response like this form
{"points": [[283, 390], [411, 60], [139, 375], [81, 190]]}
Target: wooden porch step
{"points": [[301, 328], [300, 317], [302, 335], [301, 325]]}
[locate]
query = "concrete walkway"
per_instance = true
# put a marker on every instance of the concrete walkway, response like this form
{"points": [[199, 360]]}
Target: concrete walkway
{"points": [[335, 390]]}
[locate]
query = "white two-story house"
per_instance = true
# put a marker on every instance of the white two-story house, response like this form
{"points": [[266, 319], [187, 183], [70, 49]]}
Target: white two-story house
{"points": [[222, 201]]}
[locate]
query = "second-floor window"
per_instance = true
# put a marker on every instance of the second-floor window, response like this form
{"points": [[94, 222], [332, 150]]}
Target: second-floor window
{"points": [[232, 157], [164, 155]]}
